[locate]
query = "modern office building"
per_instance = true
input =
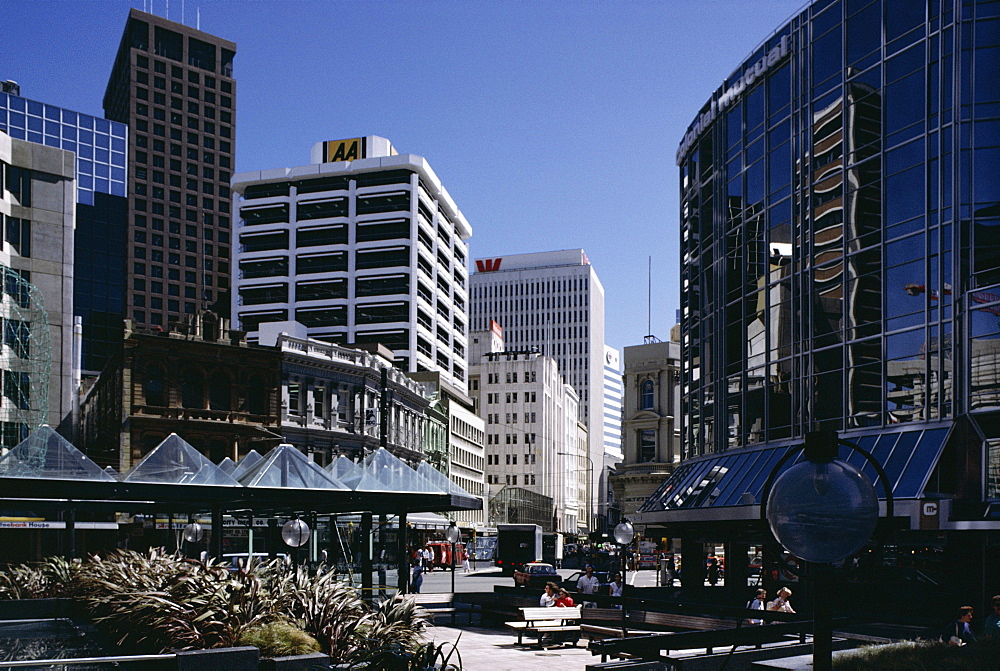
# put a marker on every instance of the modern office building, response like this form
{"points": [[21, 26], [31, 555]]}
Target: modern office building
{"points": [[37, 185], [535, 440], [651, 424], [551, 302], [611, 430], [362, 246], [173, 87], [840, 241], [99, 255]]}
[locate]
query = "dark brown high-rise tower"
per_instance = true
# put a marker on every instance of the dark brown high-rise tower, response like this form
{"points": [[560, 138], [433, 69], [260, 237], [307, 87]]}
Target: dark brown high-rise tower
{"points": [[174, 87]]}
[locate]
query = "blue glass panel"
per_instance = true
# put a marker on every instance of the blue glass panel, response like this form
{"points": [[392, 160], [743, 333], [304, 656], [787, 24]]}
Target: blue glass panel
{"points": [[85, 181], [87, 137], [102, 126], [86, 151], [69, 132], [924, 458], [685, 488], [34, 137], [52, 112], [118, 174], [855, 458], [655, 501], [101, 170], [69, 117], [52, 141], [117, 188], [896, 462], [17, 104], [118, 144], [696, 489], [118, 130], [101, 155], [736, 465], [3, 100], [117, 159], [881, 452], [17, 120], [84, 167], [35, 108], [101, 185], [102, 140], [750, 470], [84, 197], [765, 469], [86, 122], [53, 127], [34, 123]]}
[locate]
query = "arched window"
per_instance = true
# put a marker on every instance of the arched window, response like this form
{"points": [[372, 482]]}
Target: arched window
{"points": [[154, 387], [192, 389], [648, 400], [220, 392]]}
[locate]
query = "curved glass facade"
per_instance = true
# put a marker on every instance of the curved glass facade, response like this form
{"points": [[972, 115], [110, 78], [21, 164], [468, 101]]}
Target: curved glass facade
{"points": [[840, 231]]}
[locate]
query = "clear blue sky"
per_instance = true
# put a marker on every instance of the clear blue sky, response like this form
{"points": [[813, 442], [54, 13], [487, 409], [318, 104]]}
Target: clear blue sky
{"points": [[553, 124]]}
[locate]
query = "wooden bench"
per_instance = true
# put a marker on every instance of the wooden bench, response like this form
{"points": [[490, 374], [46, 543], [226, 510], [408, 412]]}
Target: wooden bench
{"points": [[445, 603], [503, 607], [539, 621], [676, 621]]}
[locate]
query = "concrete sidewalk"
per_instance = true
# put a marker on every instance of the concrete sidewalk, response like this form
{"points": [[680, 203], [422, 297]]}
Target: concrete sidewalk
{"points": [[496, 650]]}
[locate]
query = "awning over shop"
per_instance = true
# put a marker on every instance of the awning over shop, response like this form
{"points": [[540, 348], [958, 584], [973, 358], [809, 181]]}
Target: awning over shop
{"points": [[736, 477]]}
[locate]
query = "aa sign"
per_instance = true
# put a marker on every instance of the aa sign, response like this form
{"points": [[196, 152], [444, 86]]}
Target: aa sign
{"points": [[343, 150]]}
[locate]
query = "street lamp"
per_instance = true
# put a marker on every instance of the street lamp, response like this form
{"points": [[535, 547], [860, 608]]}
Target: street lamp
{"points": [[590, 483], [823, 510], [624, 533], [295, 534], [452, 535]]}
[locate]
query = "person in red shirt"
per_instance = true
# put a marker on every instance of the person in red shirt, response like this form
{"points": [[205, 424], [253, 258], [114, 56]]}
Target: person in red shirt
{"points": [[564, 600]]}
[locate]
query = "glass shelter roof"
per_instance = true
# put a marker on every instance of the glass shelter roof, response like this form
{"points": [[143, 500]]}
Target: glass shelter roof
{"points": [[46, 454]]}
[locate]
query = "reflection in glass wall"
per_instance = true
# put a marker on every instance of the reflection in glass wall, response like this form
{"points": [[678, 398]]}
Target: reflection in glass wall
{"points": [[824, 191]]}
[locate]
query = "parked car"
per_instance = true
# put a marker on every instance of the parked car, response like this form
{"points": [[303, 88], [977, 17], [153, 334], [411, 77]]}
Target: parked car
{"points": [[536, 574], [604, 577]]}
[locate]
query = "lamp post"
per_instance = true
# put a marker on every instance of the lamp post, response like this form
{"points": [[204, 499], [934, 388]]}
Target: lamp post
{"points": [[452, 535], [624, 533], [823, 510], [590, 483], [295, 534]]}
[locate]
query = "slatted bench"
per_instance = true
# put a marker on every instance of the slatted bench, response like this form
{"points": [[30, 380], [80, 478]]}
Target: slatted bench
{"points": [[676, 621], [445, 603], [504, 607], [540, 621]]}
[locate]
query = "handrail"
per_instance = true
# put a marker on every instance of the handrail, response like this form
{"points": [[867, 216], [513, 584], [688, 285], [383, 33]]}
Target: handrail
{"points": [[48, 663]]}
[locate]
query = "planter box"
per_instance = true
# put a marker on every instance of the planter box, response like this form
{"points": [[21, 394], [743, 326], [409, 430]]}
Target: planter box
{"points": [[41, 609], [314, 661], [230, 659]]}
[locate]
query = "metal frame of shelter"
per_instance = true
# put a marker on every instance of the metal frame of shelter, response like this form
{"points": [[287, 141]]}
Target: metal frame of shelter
{"points": [[47, 473]]}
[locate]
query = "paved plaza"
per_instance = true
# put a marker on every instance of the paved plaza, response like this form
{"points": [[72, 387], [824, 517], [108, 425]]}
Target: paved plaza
{"points": [[495, 650]]}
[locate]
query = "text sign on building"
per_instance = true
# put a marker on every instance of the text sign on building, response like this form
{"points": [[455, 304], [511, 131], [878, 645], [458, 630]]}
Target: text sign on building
{"points": [[344, 150], [488, 265]]}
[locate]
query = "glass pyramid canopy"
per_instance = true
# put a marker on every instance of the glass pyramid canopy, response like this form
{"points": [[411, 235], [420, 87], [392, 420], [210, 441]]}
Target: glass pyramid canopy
{"points": [[345, 470], [286, 466], [383, 472], [175, 461], [249, 460], [440, 480], [110, 470], [46, 454], [227, 466]]}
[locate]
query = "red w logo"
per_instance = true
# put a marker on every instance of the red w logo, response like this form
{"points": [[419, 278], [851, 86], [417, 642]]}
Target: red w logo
{"points": [[488, 265]]}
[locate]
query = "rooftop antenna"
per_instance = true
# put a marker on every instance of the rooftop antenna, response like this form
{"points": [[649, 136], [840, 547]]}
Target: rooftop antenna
{"points": [[650, 338], [198, 22], [182, 11]]}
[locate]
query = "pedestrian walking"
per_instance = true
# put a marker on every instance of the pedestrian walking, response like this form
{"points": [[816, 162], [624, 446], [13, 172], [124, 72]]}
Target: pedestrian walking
{"points": [[588, 584], [417, 578], [465, 559]]}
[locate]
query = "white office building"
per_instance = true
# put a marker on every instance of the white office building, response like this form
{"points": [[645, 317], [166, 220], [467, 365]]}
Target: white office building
{"points": [[552, 302], [533, 432], [612, 428], [362, 246]]}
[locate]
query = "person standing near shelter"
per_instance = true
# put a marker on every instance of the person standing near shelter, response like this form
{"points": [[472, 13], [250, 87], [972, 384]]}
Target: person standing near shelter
{"points": [[757, 603], [417, 578], [617, 588], [781, 604], [465, 559], [588, 584]]}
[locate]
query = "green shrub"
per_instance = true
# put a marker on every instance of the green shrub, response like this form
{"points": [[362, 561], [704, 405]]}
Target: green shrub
{"points": [[921, 656], [278, 639]]}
